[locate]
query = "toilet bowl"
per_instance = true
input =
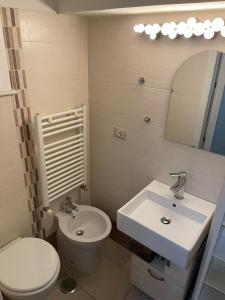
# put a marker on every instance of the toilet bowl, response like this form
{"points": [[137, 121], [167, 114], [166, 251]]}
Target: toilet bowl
{"points": [[80, 236], [29, 269]]}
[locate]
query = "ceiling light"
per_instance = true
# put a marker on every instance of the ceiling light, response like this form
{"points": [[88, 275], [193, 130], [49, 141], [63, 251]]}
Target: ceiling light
{"points": [[217, 24], [191, 28], [188, 33], [222, 32], [181, 27], [207, 24], [198, 29], [136, 28], [209, 33], [172, 35], [156, 28], [148, 29], [140, 28], [165, 29], [153, 36], [191, 22], [173, 25]]}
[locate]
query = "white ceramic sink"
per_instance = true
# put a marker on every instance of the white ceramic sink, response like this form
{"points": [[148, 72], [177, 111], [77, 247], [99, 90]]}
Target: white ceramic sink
{"points": [[177, 241]]}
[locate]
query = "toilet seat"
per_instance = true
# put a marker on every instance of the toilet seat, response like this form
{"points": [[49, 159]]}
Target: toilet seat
{"points": [[28, 265]]}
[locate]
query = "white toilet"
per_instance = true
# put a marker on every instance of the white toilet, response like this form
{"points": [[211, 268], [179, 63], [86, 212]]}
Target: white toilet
{"points": [[81, 235], [29, 268]]}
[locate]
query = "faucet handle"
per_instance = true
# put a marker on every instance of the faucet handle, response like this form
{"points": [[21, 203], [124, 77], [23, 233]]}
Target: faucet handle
{"points": [[68, 200], [180, 175]]}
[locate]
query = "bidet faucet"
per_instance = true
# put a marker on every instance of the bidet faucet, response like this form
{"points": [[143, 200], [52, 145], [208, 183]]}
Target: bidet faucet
{"points": [[70, 206], [179, 185]]}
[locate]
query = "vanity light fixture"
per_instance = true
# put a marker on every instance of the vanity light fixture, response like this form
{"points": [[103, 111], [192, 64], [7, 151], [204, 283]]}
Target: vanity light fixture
{"points": [[222, 32], [192, 27]]}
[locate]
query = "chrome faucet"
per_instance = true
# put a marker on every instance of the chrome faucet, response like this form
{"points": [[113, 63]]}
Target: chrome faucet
{"points": [[179, 185], [70, 206]]}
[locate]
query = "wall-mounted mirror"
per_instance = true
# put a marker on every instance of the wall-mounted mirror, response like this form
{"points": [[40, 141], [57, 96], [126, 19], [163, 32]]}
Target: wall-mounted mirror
{"points": [[197, 105]]}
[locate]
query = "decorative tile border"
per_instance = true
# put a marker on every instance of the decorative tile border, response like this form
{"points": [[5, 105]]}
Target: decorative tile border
{"points": [[22, 115]]}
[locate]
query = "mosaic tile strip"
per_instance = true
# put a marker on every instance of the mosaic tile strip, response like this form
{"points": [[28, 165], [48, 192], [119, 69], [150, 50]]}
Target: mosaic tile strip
{"points": [[22, 116]]}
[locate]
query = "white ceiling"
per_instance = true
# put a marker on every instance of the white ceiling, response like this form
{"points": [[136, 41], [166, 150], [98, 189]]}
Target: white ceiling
{"points": [[112, 7], [105, 7], [38, 5]]}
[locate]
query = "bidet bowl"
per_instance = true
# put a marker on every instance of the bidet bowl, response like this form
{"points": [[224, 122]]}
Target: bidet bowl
{"points": [[80, 237], [93, 223]]}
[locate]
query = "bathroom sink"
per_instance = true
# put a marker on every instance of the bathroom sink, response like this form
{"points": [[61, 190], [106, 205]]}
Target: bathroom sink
{"points": [[175, 229]]}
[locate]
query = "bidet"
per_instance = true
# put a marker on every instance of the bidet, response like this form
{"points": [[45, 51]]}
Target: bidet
{"points": [[79, 239]]}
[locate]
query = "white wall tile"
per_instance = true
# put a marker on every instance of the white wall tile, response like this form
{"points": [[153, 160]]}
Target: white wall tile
{"points": [[112, 53], [47, 27], [151, 102], [14, 214], [117, 58], [55, 49], [111, 99]]}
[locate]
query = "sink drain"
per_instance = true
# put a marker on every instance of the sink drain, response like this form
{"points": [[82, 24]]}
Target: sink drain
{"points": [[79, 232], [165, 220], [68, 286]]}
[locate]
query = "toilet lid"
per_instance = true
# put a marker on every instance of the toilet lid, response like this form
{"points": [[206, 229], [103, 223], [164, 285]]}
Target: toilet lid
{"points": [[27, 265]]}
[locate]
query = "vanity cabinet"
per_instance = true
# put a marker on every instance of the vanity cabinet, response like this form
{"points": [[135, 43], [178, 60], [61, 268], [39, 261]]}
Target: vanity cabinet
{"points": [[160, 279]]}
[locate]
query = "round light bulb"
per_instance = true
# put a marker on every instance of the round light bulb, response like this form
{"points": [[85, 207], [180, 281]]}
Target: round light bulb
{"points": [[181, 27], [173, 25], [156, 28], [198, 29], [191, 22], [148, 29], [153, 36], [209, 33], [188, 33], [217, 24], [141, 28], [172, 35], [222, 32], [136, 28], [165, 29], [207, 24]]}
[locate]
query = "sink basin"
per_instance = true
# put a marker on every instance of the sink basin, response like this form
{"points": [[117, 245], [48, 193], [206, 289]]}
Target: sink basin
{"points": [[175, 229]]}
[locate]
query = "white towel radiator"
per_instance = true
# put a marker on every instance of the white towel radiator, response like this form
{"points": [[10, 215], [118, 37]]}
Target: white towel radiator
{"points": [[62, 152]]}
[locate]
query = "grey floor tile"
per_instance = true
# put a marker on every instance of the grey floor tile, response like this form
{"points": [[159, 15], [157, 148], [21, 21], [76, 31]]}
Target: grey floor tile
{"points": [[116, 253], [79, 294], [136, 294], [108, 283]]}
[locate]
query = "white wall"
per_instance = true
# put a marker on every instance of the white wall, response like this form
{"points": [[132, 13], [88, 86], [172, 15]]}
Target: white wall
{"points": [[41, 5], [5, 84], [55, 51], [15, 218], [117, 58]]}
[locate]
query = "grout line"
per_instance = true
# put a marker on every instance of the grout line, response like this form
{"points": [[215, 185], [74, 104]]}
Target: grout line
{"points": [[86, 292], [127, 293], [130, 84]]}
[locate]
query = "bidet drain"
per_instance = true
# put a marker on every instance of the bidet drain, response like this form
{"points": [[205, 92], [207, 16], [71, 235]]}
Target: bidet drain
{"points": [[68, 286], [79, 232], [165, 220]]}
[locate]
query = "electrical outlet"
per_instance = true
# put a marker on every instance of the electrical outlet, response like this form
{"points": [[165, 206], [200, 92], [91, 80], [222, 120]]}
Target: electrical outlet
{"points": [[120, 133]]}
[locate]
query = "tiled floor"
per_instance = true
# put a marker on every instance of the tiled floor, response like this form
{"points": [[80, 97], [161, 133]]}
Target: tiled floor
{"points": [[110, 282]]}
